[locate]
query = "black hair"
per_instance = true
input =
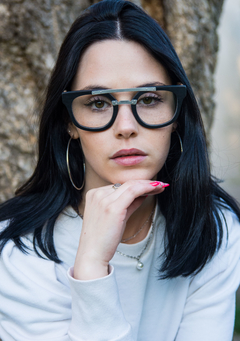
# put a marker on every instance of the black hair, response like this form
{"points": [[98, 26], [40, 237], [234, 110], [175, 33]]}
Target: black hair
{"points": [[193, 202]]}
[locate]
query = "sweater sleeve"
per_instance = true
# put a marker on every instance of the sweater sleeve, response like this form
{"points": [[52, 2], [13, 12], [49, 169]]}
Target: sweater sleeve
{"points": [[34, 305], [210, 307], [97, 312], [36, 302]]}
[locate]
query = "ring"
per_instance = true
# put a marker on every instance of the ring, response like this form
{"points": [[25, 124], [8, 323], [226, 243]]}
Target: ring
{"points": [[116, 186]]}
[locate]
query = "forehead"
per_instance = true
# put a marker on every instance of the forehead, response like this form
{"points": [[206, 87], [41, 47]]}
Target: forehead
{"points": [[118, 64]]}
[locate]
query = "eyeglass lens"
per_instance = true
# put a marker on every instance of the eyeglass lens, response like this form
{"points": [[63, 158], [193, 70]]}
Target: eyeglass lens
{"points": [[153, 108]]}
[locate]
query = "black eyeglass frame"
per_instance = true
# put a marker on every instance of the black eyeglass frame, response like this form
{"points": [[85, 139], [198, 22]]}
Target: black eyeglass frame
{"points": [[180, 92]]}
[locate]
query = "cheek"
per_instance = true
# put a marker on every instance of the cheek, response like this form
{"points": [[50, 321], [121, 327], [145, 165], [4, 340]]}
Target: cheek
{"points": [[92, 145], [164, 151], [87, 147], [162, 146], [163, 141]]}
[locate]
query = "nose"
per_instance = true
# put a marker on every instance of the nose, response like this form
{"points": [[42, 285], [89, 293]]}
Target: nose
{"points": [[125, 125]]}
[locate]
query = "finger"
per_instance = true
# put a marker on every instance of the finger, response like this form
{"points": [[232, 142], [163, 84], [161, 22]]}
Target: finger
{"points": [[128, 192], [154, 188], [109, 195]]}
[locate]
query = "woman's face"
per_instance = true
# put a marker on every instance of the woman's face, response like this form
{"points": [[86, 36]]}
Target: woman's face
{"points": [[116, 64]]}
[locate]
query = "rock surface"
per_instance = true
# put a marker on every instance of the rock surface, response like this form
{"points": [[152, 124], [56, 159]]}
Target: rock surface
{"points": [[30, 35]]}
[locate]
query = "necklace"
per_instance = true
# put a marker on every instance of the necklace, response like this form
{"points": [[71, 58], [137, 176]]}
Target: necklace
{"points": [[140, 264], [141, 228]]}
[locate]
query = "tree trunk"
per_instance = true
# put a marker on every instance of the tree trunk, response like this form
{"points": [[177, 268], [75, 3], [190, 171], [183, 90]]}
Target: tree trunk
{"points": [[30, 35]]}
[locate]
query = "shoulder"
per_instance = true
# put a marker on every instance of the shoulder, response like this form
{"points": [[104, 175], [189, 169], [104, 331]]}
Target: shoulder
{"points": [[32, 289], [67, 231], [26, 273], [222, 272], [210, 303]]}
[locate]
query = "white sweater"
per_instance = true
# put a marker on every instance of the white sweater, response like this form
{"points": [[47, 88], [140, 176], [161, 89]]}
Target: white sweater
{"points": [[39, 300]]}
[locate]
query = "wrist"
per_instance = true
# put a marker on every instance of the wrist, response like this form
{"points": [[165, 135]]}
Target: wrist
{"points": [[86, 269]]}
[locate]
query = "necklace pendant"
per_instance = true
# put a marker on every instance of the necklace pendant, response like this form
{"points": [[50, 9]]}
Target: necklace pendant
{"points": [[140, 265]]}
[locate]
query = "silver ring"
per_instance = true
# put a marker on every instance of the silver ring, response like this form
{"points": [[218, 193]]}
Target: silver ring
{"points": [[116, 186]]}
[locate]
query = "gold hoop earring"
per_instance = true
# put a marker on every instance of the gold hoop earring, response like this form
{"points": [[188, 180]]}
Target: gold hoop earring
{"points": [[68, 168], [180, 140]]}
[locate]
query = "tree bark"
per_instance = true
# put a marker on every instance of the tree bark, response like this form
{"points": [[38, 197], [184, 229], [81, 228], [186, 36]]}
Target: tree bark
{"points": [[31, 33]]}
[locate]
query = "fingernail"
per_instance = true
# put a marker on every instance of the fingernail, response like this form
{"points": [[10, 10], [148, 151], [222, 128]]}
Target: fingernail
{"points": [[163, 184], [157, 183]]}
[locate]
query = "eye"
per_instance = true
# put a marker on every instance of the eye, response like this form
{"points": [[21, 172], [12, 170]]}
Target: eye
{"points": [[147, 100], [96, 103], [99, 104]]}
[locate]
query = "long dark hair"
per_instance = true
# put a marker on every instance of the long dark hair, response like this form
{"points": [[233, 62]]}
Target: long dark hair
{"points": [[193, 202]]}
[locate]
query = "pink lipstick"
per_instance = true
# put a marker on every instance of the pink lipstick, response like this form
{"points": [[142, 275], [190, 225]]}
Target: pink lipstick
{"points": [[128, 157]]}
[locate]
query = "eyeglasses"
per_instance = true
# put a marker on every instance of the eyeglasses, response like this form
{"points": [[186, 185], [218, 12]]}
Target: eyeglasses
{"points": [[152, 107]]}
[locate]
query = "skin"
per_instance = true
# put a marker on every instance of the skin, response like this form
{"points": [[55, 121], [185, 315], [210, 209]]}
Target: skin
{"points": [[117, 64]]}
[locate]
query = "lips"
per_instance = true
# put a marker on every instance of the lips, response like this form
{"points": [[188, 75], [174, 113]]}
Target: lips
{"points": [[129, 157], [128, 152]]}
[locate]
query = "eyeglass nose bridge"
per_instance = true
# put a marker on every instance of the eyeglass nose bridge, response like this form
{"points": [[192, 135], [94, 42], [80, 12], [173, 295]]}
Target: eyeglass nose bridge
{"points": [[132, 102]]}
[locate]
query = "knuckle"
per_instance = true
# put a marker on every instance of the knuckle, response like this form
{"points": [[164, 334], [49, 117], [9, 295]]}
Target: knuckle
{"points": [[131, 190], [89, 194], [95, 194], [98, 194], [111, 209]]}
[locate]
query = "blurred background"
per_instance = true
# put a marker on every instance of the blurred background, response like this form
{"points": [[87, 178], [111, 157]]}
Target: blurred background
{"points": [[225, 136]]}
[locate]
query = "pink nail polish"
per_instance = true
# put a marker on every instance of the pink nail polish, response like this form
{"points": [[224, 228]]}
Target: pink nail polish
{"points": [[164, 185], [155, 183]]}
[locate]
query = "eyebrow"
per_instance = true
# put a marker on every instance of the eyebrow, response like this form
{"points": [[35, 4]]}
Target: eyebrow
{"points": [[95, 87], [151, 84], [102, 87]]}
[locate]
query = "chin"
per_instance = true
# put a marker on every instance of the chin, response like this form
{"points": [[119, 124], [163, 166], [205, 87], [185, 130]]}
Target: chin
{"points": [[135, 175]]}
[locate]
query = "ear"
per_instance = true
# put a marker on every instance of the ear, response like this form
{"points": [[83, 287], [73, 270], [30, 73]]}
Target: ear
{"points": [[72, 131]]}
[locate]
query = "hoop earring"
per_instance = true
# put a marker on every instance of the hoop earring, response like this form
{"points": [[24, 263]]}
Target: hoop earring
{"points": [[180, 140], [68, 168]]}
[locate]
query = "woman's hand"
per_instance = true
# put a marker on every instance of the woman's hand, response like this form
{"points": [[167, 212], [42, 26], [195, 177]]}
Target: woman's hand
{"points": [[106, 213]]}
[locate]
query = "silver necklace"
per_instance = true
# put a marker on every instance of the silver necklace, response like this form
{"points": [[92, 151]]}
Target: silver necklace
{"points": [[140, 264], [141, 228]]}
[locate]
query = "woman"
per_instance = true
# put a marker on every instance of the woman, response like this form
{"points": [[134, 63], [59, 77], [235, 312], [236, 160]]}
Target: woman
{"points": [[120, 233]]}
